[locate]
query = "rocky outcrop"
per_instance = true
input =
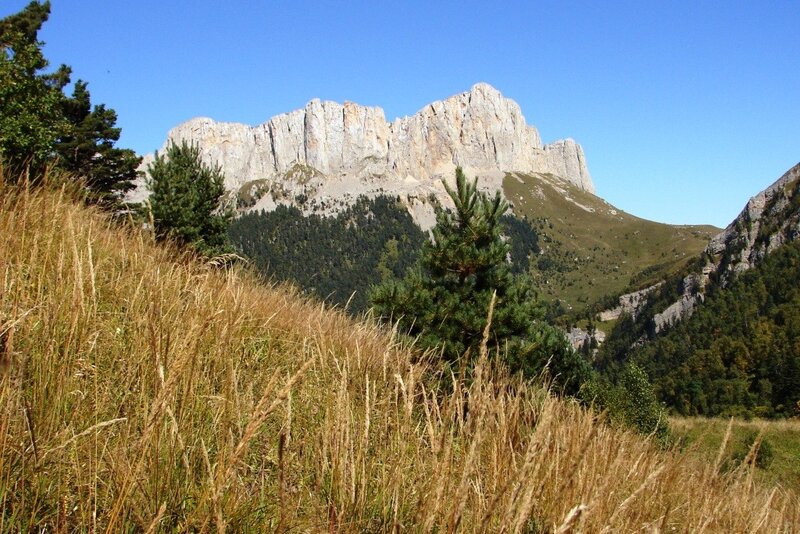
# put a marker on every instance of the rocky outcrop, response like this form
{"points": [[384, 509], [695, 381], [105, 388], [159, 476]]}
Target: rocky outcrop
{"points": [[692, 291], [578, 338], [629, 303], [770, 218], [353, 150], [565, 158]]}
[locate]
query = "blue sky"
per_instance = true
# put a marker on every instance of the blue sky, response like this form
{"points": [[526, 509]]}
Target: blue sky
{"points": [[684, 109]]}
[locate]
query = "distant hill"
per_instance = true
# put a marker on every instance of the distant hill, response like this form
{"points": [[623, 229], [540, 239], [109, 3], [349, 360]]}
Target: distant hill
{"points": [[323, 159], [339, 258], [589, 248], [336, 259], [578, 247], [723, 336]]}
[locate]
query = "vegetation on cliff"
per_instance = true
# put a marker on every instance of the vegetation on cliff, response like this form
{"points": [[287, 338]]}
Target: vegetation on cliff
{"points": [[739, 352], [733, 346]]}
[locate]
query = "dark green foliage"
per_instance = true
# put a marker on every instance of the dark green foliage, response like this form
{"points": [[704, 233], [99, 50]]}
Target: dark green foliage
{"points": [[25, 25], [738, 354], [444, 301], [333, 257], [87, 147], [30, 100], [547, 348], [523, 241], [629, 332], [751, 449], [630, 401], [186, 200]]}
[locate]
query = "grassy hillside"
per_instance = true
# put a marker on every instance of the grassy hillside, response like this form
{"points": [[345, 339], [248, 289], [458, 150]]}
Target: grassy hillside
{"points": [[144, 391], [591, 249]]}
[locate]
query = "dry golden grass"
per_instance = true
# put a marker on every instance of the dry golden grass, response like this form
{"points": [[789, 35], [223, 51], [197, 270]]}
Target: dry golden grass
{"points": [[144, 391]]}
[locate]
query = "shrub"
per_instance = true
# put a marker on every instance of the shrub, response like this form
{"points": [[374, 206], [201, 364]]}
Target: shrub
{"points": [[186, 200], [630, 402]]}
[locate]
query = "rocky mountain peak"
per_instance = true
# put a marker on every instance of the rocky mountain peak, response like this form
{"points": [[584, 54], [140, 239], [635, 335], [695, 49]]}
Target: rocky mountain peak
{"points": [[349, 150]]}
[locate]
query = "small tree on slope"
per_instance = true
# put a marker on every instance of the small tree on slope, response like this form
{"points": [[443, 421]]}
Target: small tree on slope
{"points": [[444, 301], [186, 200]]}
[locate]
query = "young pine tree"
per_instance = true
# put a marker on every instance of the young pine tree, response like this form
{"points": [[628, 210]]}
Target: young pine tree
{"points": [[444, 301], [186, 200]]}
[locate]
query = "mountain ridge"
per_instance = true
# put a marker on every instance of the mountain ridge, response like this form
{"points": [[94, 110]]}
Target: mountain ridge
{"points": [[331, 153], [721, 337], [770, 219]]}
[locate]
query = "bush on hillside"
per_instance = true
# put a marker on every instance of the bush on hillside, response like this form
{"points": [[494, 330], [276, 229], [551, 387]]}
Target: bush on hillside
{"points": [[630, 401], [186, 200], [753, 449]]}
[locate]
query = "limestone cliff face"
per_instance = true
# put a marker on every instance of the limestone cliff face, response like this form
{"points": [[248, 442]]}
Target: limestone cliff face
{"points": [[350, 149], [629, 303]]}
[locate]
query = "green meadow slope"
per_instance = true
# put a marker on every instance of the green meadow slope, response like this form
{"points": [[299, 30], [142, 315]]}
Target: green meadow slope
{"points": [[144, 390], [591, 249], [776, 454]]}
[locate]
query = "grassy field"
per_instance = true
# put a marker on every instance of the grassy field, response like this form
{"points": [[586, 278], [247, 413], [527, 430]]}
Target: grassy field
{"points": [[143, 390], [781, 439], [590, 248]]}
